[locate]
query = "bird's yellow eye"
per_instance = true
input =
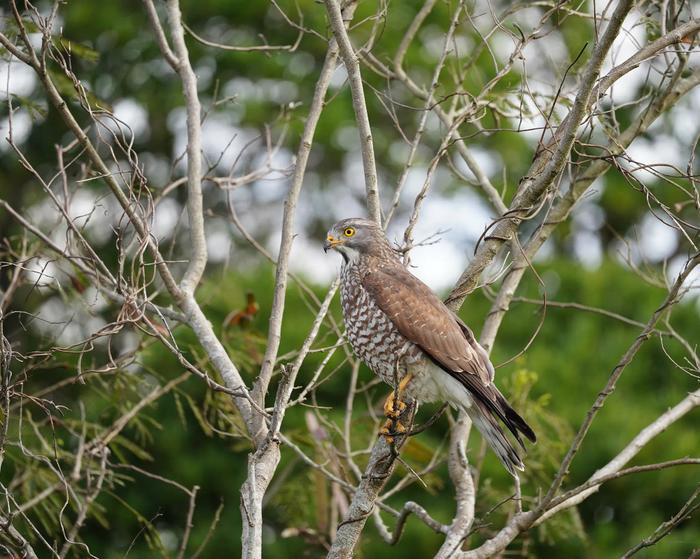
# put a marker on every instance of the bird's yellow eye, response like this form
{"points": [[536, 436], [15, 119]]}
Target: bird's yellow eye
{"points": [[348, 232]]}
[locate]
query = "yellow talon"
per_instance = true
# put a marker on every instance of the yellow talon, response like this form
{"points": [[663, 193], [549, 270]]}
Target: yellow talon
{"points": [[393, 408], [391, 429], [393, 405]]}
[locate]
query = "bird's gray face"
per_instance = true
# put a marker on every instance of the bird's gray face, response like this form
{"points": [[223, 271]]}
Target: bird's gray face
{"points": [[353, 237]]}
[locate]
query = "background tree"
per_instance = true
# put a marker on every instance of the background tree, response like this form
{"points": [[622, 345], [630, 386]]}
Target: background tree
{"points": [[171, 344]]}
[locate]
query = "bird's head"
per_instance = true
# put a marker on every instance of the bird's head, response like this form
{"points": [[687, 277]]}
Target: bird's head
{"points": [[354, 237]]}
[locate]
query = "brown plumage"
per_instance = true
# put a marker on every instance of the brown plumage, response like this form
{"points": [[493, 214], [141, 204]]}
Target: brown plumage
{"points": [[390, 315]]}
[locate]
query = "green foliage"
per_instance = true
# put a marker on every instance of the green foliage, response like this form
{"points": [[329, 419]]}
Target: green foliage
{"points": [[193, 436]]}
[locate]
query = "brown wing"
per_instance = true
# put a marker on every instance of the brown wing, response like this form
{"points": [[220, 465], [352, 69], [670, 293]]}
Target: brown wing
{"points": [[424, 319], [476, 346]]}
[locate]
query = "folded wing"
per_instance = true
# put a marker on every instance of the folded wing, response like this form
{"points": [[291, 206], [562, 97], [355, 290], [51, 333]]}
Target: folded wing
{"points": [[423, 318]]}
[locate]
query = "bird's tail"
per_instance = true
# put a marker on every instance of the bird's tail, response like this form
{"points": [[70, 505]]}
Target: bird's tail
{"points": [[487, 424]]}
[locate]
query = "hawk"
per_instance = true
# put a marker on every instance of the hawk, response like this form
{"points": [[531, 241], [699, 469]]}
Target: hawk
{"points": [[402, 330]]}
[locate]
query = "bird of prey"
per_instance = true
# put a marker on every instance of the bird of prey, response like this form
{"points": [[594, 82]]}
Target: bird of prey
{"points": [[402, 330]]}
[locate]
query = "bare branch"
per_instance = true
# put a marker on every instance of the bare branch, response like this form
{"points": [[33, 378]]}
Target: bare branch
{"points": [[659, 425], [378, 471], [409, 508], [563, 207], [198, 258], [465, 491], [23, 545], [252, 48], [168, 54], [688, 508], [545, 169], [352, 66], [288, 220], [626, 359]]}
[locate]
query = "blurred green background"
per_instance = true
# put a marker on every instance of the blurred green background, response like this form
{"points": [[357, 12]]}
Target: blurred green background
{"points": [[191, 435]]}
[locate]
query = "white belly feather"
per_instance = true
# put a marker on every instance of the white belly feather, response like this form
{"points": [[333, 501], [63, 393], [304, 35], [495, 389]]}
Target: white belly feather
{"points": [[431, 384]]}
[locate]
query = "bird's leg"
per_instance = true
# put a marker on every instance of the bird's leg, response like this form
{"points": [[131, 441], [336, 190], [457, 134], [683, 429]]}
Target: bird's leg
{"points": [[394, 404], [393, 408]]}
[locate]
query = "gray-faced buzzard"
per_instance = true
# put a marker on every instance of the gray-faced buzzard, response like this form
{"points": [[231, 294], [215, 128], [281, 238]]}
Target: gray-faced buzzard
{"points": [[401, 329]]}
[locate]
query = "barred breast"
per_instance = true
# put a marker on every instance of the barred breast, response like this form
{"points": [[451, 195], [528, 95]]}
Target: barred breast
{"points": [[371, 333]]}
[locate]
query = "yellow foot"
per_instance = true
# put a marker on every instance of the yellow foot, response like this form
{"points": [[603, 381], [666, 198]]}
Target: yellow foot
{"points": [[393, 407], [392, 429]]}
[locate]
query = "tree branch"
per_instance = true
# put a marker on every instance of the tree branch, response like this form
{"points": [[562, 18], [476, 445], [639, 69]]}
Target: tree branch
{"points": [[381, 465], [627, 358], [195, 214], [352, 65], [658, 426], [546, 167], [564, 205], [288, 220], [688, 508], [523, 521], [465, 492], [162, 40]]}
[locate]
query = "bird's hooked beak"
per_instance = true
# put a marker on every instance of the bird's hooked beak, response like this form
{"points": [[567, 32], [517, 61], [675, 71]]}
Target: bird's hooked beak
{"points": [[331, 242]]}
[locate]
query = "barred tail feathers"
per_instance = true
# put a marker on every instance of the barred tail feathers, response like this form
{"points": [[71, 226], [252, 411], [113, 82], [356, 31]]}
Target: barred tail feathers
{"points": [[486, 407], [484, 420], [513, 419]]}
